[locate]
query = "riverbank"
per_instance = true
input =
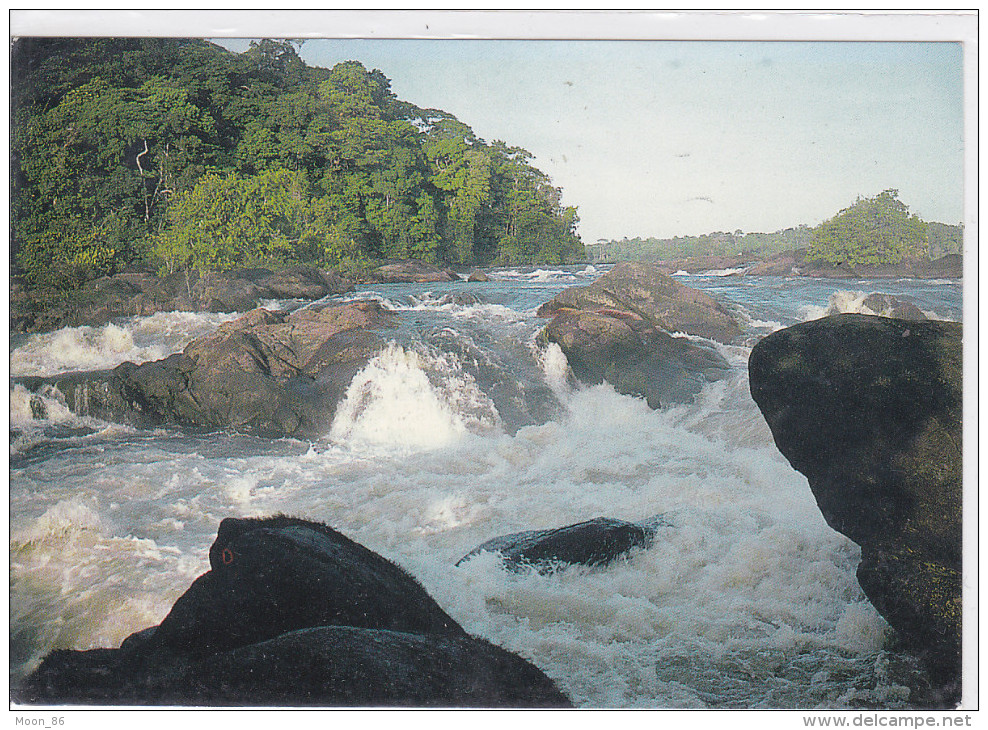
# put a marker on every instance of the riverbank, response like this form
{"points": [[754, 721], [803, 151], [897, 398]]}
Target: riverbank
{"points": [[794, 263]]}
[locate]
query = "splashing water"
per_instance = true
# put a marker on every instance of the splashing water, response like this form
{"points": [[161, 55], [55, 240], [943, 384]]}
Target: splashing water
{"points": [[746, 599]]}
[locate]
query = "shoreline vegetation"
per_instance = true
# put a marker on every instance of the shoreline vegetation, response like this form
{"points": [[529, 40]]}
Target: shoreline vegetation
{"points": [[177, 156], [161, 164]]}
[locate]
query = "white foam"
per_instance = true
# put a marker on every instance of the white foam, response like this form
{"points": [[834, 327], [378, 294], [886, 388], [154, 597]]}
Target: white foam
{"points": [[393, 402], [135, 339]]}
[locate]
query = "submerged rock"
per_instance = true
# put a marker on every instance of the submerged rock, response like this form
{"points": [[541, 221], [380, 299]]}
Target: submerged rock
{"points": [[595, 542], [620, 330], [269, 373], [869, 409], [292, 613]]}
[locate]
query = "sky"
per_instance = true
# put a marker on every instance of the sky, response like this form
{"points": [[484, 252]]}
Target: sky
{"points": [[667, 138]]}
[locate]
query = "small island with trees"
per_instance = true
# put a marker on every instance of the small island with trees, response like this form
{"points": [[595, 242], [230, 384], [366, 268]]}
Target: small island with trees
{"points": [[875, 236]]}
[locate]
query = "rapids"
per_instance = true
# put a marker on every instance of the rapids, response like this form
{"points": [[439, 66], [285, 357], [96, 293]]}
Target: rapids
{"points": [[461, 430]]}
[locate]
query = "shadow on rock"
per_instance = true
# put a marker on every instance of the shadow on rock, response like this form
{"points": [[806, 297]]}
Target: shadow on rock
{"points": [[869, 409], [292, 613]]}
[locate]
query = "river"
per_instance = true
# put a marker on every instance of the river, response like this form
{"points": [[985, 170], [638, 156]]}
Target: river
{"points": [[460, 431]]}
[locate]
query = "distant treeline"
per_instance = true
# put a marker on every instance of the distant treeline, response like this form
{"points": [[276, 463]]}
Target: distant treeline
{"points": [[178, 154], [878, 230]]}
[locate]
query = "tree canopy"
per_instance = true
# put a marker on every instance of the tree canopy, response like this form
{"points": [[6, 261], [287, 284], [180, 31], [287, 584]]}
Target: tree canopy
{"points": [[877, 230], [177, 154]]}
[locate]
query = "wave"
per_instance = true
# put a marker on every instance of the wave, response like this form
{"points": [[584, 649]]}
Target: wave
{"points": [[850, 302], [414, 401], [725, 272], [134, 339]]}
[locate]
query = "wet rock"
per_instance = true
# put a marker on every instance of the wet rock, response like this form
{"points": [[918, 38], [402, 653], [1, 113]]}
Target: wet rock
{"points": [[478, 275], [643, 291], [411, 271], [269, 373], [595, 542], [143, 294], [292, 613], [869, 409], [620, 329], [885, 305]]}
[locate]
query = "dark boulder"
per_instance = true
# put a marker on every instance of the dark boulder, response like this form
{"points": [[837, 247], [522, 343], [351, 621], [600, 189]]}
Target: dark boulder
{"points": [[330, 666], [478, 275], [410, 271], [269, 373], [271, 576], [869, 409], [634, 356], [595, 542], [271, 628]]}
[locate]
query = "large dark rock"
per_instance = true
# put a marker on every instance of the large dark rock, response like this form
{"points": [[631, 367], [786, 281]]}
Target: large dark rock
{"points": [[292, 613], [271, 576], [269, 373], [410, 271], [595, 542], [869, 409], [620, 329], [142, 294]]}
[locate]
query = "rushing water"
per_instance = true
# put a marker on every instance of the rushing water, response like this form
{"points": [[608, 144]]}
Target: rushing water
{"points": [[460, 431]]}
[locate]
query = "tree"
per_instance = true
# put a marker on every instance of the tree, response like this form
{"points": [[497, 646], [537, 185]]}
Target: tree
{"points": [[877, 230]]}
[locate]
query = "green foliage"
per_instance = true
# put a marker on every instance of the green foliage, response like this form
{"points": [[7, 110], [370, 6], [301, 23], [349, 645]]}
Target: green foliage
{"points": [[720, 243], [877, 230], [228, 221], [183, 155]]}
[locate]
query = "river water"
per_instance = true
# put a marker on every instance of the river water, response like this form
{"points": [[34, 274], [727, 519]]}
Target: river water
{"points": [[460, 431]]}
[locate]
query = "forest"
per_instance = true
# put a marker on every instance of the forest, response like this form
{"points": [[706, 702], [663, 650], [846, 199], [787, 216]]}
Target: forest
{"points": [[172, 154], [876, 230]]}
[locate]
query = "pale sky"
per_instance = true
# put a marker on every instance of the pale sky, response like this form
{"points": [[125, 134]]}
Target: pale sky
{"points": [[658, 137], [665, 138]]}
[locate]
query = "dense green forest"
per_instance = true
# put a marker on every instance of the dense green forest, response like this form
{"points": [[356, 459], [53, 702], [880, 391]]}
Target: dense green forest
{"points": [[878, 230], [177, 154]]}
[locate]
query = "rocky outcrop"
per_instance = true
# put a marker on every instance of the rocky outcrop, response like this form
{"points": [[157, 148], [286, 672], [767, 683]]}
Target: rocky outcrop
{"points": [[292, 613], [642, 290], [268, 373], [596, 542], [620, 330], [869, 409], [478, 275], [410, 271], [143, 294]]}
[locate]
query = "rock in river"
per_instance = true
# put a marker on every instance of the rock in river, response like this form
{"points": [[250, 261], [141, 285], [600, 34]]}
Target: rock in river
{"points": [[268, 373], [632, 328], [292, 613], [595, 542], [869, 409]]}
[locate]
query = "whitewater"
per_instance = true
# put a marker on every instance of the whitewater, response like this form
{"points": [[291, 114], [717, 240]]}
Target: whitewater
{"points": [[463, 429]]}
